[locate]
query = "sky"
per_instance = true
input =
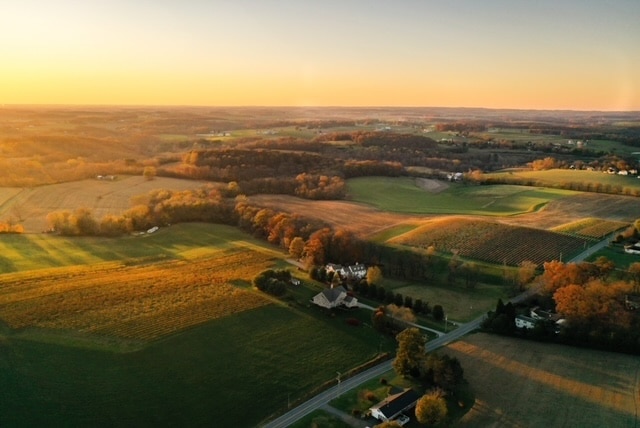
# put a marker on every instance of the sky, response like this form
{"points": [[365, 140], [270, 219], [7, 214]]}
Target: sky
{"points": [[543, 54]]}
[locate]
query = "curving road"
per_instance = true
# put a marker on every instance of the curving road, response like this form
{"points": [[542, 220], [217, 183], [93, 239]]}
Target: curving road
{"points": [[444, 339], [324, 397]]}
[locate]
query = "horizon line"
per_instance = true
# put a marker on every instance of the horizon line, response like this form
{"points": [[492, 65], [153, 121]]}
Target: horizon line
{"points": [[291, 106]]}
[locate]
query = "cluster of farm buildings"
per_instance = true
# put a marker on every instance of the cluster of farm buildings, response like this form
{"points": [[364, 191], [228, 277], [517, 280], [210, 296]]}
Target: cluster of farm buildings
{"points": [[338, 296]]}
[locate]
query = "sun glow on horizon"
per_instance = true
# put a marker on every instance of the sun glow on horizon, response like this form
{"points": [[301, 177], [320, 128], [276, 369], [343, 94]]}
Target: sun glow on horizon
{"points": [[288, 53]]}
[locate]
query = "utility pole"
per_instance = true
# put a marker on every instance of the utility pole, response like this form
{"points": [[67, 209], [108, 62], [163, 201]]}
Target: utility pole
{"points": [[338, 392]]}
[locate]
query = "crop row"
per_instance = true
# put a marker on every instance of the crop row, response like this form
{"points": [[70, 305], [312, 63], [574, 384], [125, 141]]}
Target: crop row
{"points": [[164, 297], [493, 242], [591, 227]]}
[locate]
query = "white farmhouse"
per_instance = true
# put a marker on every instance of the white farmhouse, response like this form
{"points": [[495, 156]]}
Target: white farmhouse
{"points": [[334, 297]]}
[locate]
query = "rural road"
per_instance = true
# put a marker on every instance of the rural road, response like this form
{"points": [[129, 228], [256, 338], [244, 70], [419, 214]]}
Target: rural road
{"points": [[444, 339], [347, 384]]}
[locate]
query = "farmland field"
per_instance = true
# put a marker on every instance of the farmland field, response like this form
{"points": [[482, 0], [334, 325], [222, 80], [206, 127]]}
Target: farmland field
{"points": [[460, 303], [132, 302], [232, 371], [598, 181], [30, 206], [520, 383], [403, 195], [594, 228], [159, 330], [179, 242], [358, 218], [491, 241], [135, 288], [580, 206]]}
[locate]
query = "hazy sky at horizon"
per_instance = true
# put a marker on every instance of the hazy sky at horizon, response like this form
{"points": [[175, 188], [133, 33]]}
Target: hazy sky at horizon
{"points": [[547, 54]]}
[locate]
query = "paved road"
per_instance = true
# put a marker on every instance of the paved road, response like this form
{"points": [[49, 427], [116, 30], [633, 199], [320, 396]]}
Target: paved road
{"points": [[348, 384], [323, 398]]}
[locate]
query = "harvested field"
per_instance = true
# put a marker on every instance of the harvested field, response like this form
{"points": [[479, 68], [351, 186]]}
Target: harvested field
{"points": [[358, 218], [141, 303], [522, 384], [30, 206]]}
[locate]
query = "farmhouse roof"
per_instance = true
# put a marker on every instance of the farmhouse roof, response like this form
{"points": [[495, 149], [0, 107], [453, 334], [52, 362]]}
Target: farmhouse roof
{"points": [[397, 403], [526, 318], [332, 294]]}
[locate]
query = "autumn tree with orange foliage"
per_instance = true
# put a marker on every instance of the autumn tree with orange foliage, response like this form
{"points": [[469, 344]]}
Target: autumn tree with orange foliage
{"points": [[597, 302], [557, 275], [11, 227]]}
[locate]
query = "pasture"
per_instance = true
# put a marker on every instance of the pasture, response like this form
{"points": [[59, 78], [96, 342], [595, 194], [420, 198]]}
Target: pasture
{"points": [[567, 178], [186, 241], [403, 195], [520, 383], [161, 330], [460, 303], [30, 206], [232, 371]]}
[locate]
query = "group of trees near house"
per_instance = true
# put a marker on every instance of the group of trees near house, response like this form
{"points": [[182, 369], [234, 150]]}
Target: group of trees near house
{"points": [[440, 374], [273, 281], [591, 298]]}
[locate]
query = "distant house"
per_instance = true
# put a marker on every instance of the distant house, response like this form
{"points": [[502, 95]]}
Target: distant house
{"points": [[632, 249], [394, 405], [334, 297], [523, 321], [356, 271], [458, 176]]}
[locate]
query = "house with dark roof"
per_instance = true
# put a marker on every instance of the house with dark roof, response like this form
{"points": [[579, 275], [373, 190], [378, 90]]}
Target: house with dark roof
{"points": [[334, 297], [394, 404]]}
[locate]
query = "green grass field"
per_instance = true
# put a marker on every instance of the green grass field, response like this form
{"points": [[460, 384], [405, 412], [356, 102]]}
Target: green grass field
{"points": [[617, 255], [182, 241], [598, 181], [459, 303], [320, 418], [231, 371], [403, 195]]}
